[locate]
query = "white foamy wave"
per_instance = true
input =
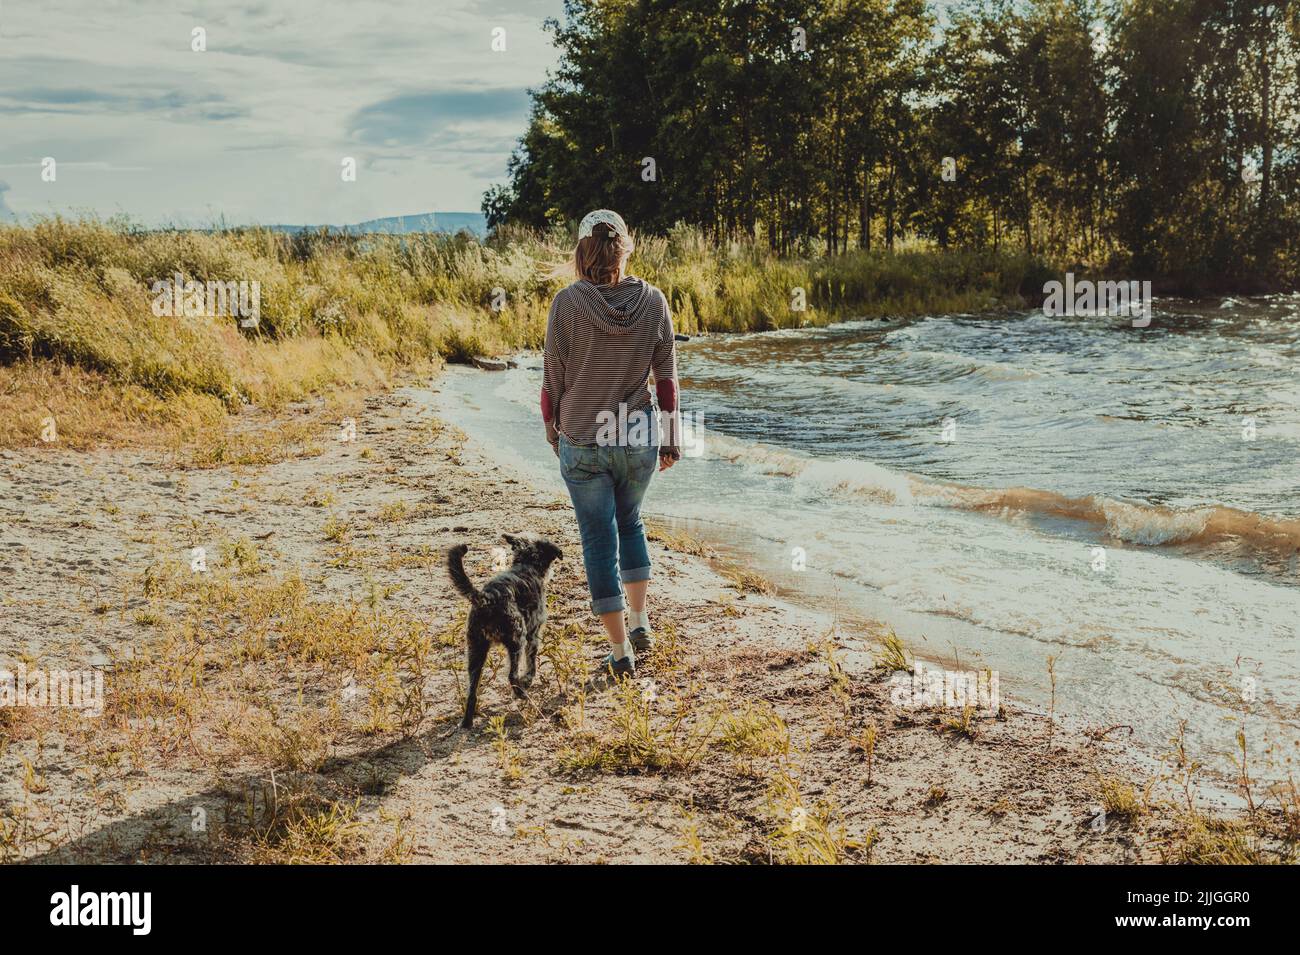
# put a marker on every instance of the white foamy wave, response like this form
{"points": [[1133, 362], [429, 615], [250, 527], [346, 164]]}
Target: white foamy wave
{"points": [[1144, 525], [844, 475], [938, 494], [762, 457], [861, 478]]}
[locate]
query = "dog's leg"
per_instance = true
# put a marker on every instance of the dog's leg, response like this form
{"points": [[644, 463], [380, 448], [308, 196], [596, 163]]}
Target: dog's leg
{"points": [[516, 680], [475, 656], [531, 644]]}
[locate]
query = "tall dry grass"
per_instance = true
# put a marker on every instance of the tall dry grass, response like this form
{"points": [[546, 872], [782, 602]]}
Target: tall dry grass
{"points": [[80, 343]]}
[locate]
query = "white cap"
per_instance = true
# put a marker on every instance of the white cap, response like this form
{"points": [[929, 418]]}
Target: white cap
{"points": [[607, 216]]}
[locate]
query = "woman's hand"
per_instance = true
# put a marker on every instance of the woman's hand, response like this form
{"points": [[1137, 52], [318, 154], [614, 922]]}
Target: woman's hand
{"points": [[668, 457]]}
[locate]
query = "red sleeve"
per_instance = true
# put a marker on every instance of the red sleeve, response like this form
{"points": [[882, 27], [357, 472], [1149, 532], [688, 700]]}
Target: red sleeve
{"points": [[667, 392]]}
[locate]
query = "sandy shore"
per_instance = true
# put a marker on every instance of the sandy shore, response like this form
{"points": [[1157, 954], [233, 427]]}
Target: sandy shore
{"points": [[294, 698]]}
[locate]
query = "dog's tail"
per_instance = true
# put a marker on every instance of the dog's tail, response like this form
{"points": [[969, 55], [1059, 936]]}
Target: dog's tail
{"points": [[459, 579]]}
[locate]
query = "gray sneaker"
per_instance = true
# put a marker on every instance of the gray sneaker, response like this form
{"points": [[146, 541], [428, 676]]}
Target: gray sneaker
{"points": [[643, 641], [619, 668]]}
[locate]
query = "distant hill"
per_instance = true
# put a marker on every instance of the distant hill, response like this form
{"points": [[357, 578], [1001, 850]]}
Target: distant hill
{"points": [[399, 225], [450, 222], [7, 214]]}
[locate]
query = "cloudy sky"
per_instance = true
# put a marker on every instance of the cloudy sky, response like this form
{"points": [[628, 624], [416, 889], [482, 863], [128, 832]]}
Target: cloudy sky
{"points": [[255, 129]]}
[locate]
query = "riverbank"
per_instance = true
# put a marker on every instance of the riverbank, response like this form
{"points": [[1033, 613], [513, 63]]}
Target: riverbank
{"points": [[110, 335], [293, 700]]}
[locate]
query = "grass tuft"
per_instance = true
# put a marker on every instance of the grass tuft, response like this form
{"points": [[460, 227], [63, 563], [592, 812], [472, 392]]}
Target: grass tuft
{"points": [[893, 656]]}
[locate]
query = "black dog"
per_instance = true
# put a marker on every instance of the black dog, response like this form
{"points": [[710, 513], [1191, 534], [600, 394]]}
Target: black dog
{"points": [[510, 609]]}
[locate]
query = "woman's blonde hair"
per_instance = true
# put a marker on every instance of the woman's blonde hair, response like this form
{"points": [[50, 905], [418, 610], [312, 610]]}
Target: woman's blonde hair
{"points": [[600, 256]]}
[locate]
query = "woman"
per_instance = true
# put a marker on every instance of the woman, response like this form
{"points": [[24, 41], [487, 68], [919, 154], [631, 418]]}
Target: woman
{"points": [[607, 334]]}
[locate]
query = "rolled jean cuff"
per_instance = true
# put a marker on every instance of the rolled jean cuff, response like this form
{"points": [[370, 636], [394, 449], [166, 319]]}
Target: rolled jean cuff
{"points": [[635, 574], [607, 604]]}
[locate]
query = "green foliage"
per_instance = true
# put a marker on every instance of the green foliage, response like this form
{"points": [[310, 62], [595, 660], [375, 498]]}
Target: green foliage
{"points": [[1107, 134]]}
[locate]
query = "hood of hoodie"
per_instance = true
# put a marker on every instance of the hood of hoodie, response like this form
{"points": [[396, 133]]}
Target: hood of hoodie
{"points": [[615, 308]]}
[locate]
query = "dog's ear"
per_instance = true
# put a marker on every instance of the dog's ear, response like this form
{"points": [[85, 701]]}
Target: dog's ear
{"points": [[514, 542]]}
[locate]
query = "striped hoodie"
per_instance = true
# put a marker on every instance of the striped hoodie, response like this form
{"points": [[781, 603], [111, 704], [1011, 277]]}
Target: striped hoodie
{"points": [[603, 344]]}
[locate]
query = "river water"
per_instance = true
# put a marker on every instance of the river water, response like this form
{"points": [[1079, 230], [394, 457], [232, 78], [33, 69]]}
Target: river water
{"points": [[1005, 489]]}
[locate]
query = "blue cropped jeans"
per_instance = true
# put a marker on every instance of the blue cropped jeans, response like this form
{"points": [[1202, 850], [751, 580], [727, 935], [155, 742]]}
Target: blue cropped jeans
{"points": [[606, 485]]}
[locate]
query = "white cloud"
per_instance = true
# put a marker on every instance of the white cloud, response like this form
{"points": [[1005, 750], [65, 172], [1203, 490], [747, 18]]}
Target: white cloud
{"points": [[254, 128]]}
